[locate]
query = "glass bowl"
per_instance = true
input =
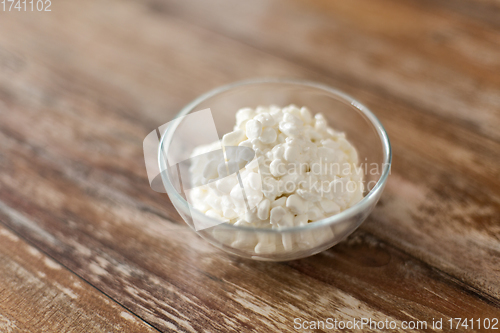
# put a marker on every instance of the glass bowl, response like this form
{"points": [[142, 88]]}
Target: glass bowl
{"points": [[342, 112]]}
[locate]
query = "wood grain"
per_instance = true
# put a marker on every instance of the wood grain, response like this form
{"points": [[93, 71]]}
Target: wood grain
{"points": [[77, 102], [424, 57], [39, 295], [446, 158]]}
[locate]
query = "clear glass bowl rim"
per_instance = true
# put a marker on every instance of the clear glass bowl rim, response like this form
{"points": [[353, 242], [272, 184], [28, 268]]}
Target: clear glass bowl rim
{"points": [[337, 218]]}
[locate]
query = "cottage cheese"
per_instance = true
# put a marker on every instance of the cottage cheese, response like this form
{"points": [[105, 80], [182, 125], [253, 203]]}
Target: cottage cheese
{"points": [[302, 171]]}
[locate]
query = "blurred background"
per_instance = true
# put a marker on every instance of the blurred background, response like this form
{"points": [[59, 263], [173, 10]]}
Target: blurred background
{"points": [[81, 86], [437, 57]]}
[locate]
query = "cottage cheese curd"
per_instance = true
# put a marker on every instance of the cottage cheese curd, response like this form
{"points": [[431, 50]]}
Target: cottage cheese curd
{"points": [[301, 171]]}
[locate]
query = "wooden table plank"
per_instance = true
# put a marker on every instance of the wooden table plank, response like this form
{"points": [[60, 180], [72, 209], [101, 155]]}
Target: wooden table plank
{"points": [[422, 142], [389, 48], [39, 295], [188, 285], [425, 57], [75, 108]]}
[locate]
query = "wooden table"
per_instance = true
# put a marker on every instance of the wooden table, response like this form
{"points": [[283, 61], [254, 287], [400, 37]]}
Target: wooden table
{"points": [[86, 246]]}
